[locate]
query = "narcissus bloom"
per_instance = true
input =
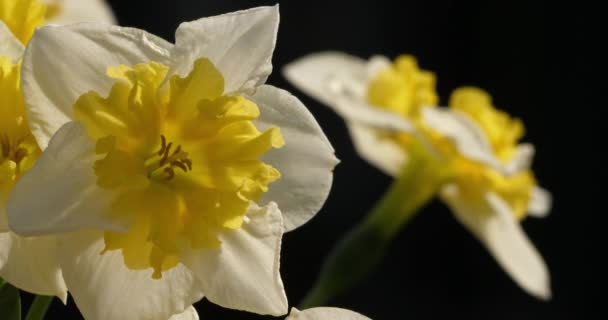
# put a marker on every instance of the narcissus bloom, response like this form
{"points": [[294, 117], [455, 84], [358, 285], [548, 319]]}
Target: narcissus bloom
{"points": [[174, 170], [29, 264], [390, 109], [324, 313]]}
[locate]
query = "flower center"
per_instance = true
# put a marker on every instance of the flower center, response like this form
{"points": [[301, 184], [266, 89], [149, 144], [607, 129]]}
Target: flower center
{"points": [[22, 17], [163, 164], [182, 160], [503, 134], [403, 88], [14, 153]]}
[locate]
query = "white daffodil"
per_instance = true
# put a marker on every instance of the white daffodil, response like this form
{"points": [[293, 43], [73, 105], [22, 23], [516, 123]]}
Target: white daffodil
{"points": [[27, 263], [487, 181], [324, 313], [174, 170]]}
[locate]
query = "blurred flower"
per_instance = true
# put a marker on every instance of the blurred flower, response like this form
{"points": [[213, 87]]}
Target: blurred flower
{"points": [[485, 176], [27, 263], [74, 11], [324, 313], [22, 17], [168, 164]]}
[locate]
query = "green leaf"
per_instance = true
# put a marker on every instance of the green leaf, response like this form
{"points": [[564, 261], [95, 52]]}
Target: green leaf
{"points": [[39, 307], [10, 303]]}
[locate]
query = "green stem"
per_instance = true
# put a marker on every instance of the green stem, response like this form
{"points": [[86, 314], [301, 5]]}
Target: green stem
{"points": [[39, 307], [362, 249]]}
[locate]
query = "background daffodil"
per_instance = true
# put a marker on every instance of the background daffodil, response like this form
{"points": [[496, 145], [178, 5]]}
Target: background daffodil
{"points": [[31, 263], [467, 154], [22, 17], [75, 11], [169, 171], [28, 263]]}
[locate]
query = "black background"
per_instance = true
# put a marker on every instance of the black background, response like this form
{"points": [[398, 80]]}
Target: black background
{"points": [[538, 62]]}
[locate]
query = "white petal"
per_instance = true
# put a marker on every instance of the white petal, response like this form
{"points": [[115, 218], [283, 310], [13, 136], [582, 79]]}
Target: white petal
{"points": [[104, 288], [10, 46], [60, 192], [339, 81], [464, 133], [376, 64], [522, 160], [493, 223], [306, 161], [31, 264], [240, 44], [73, 11], [325, 313], [243, 273], [319, 74], [189, 314], [540, 202], [81, 54], [381, 152]]}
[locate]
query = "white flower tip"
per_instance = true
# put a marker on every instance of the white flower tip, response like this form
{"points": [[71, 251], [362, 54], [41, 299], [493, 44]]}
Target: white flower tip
{"points": [[275, 8], [272, 12], [303, 68], [292, 70], [540, 203], [541, 290], [376, 64], [63, 296], [325, 313], [547, 294], [522, 159], [336, 161], [282, 308]]}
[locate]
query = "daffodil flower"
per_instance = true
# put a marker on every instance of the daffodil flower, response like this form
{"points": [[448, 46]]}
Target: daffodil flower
{"points": [[28, 263], [324, 313], [31, 264], [478, 168], [173, 171]]}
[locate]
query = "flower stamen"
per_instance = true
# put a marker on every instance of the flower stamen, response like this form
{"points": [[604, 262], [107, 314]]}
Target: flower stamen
{"points": [[12, 152], [171, 160]]}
